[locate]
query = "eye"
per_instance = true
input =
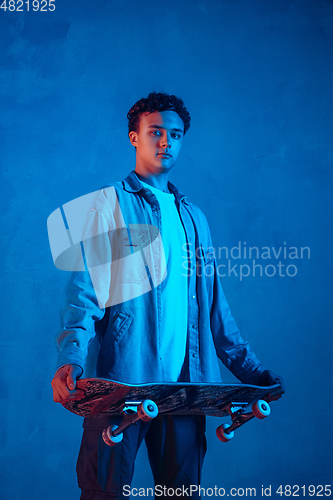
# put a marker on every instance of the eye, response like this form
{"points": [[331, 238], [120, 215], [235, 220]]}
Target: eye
{"points": [[156, 132], [176, 136]]}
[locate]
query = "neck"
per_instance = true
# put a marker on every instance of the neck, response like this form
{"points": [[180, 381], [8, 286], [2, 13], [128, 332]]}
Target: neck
{"points": [[159, 181]]}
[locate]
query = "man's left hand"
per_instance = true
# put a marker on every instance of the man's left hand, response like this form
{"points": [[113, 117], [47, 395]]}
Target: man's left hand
{"points": [[270, 378]]}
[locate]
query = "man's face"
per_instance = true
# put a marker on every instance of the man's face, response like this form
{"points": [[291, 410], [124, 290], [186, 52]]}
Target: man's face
{"points": [[158, 141]]}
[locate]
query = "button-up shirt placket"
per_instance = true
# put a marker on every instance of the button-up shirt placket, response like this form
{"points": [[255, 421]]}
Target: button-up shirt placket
{"points": [[193, 309], [157, 221]]}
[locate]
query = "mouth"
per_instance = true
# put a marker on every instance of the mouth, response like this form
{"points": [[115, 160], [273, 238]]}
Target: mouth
{"points": [[164, 155]]}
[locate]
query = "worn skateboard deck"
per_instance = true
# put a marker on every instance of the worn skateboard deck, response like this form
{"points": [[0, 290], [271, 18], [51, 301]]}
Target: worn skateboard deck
{"points": [[106, 397]]}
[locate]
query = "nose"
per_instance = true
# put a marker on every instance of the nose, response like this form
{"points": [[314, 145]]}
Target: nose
{"points": [[166, 141]]}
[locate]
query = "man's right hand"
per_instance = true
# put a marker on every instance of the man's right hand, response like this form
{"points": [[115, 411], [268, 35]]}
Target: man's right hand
{"points": [[64, 383]]}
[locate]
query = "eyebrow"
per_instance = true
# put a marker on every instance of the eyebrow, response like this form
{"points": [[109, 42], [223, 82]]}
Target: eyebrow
{"points": [[160, 127]]}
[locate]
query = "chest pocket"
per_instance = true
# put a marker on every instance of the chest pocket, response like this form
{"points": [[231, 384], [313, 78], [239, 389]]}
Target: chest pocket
{"points": [[133, 251]]}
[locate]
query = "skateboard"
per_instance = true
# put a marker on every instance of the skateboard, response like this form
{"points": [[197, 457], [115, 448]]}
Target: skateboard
{"points": [[105, 397]]}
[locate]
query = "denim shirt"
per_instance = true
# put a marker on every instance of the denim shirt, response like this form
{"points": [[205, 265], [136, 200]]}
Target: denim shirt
{"points": [[122, 342]]}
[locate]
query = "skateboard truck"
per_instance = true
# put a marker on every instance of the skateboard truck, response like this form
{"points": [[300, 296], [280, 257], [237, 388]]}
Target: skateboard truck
{"points": [[132, 412], [146, 410], [260, 409]]}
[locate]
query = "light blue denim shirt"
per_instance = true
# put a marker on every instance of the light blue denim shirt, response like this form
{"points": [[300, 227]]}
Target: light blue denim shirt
{"points": [[122, 342]]}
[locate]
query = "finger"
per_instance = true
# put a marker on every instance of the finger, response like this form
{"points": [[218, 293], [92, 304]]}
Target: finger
{"points": [[75, 372], [71, 378], [56, 390], [60, 393], [58, 396], [60, 388], [70, 383], [270, 398]]}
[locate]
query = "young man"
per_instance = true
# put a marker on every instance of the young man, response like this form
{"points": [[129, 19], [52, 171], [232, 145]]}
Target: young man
{"points": [[142, 316]]}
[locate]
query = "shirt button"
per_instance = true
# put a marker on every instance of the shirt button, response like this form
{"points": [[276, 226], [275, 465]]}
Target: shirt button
{"points": [[194, 326], [194, 355], [193, 296]]}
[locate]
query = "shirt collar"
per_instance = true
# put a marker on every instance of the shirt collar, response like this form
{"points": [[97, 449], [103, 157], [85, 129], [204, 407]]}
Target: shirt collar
{"points": [[132, 184]]}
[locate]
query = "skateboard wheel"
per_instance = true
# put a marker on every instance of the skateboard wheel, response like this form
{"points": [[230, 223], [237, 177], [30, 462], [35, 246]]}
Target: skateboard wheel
{"points": [[261, 409], [108, 437], [222, 434], [147, 410]]}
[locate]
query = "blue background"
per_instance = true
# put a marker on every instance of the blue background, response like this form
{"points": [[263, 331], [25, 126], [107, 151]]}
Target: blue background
{"points": [[256, 77]]}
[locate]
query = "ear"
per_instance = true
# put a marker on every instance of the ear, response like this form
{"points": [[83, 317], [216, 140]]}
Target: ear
{"points": [[133, 137]]}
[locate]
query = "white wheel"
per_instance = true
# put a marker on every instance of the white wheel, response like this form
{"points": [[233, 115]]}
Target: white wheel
{"points": [[261, 409], [222, 435], [108, 437], [147, 410]]}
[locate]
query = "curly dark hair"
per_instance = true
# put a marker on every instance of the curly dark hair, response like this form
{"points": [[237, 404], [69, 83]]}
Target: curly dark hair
{"points": [[157, 101]]}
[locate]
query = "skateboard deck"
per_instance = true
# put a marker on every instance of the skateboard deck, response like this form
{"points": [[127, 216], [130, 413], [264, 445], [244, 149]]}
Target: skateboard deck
{"points": [[107, 397]]}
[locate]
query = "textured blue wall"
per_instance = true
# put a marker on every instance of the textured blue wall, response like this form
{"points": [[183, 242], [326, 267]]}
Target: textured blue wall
{"points": [[256, 76]]}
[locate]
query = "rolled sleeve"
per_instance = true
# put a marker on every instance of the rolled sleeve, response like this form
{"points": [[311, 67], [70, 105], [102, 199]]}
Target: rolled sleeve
{"points": [[82, 302]]}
